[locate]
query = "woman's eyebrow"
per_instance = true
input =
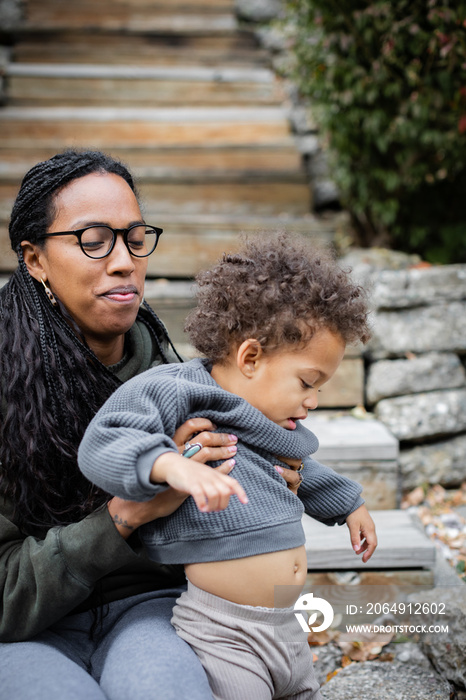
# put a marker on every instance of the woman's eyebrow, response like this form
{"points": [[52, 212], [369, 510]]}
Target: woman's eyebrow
{"points": [[84, 223]]}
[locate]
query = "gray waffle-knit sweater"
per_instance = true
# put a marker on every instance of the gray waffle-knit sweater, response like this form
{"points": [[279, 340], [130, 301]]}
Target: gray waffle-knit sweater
{"points": [[132, 429]]}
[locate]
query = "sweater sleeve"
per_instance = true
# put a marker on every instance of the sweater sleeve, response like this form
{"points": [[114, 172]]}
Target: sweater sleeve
{"points": [[41, 580], [127, 434], [326, 495]]}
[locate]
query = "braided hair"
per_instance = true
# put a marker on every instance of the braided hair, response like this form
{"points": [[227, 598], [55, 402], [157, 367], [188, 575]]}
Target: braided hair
{"points": [[51, 382]]}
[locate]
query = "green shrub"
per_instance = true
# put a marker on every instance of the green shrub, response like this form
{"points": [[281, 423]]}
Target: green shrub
{"points": [[387, 82]]}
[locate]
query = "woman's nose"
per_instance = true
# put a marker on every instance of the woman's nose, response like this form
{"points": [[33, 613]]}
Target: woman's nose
{"points": [[120, 259]]}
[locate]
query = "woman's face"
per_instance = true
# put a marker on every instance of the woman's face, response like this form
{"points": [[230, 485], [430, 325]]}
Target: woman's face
{"points": [[102, 296]]}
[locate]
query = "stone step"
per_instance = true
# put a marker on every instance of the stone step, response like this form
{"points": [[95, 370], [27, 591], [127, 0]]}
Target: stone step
{"points": [[138, 48], [51, 84], [190, 243], [401, 545], [106, 127], [362, 449]]}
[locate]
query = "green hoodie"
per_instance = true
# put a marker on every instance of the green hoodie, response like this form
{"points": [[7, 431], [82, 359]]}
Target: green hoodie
{"points": [[79, 566]]}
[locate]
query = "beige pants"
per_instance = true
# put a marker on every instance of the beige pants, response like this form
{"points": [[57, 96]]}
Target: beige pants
{"points": [[247, 652]]}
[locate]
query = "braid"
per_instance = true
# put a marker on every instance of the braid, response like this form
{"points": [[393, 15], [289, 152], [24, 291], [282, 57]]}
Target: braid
{"points": [[51, 383], [49, 393], [157, 328]]}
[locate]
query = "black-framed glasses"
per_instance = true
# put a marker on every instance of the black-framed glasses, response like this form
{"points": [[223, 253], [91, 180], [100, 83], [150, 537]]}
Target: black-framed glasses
{"points": [[98, 241]]}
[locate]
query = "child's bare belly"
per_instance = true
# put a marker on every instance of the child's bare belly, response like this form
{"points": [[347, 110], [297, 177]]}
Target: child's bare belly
{"points": [[253, 580]]}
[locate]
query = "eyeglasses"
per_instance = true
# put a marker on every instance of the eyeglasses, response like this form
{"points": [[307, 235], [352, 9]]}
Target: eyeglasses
{"points": [[98, 241]]}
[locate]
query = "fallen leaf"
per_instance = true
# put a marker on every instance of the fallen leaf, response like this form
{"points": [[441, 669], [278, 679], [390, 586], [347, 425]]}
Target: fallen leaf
{"points": [[365, 646], [332, 674], [317, 639], [414, 498], [435, 495], [420, 265]]}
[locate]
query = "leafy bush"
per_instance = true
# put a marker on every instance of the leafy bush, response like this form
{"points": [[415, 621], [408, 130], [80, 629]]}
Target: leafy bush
{"points": [[387, 82]]}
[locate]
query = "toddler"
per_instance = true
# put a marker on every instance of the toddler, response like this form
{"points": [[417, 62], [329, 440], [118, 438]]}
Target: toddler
{"points": [[272, 322]]}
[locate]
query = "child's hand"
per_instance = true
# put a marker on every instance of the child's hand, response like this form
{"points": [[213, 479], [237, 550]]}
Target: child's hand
{"points": [[210, 488], [362, 532]]}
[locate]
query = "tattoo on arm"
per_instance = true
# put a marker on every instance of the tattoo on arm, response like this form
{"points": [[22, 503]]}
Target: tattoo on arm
{"points": [[124, 523]]}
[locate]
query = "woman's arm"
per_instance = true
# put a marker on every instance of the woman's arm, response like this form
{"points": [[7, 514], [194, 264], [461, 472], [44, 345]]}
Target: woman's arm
{"points": [[41, 580]]}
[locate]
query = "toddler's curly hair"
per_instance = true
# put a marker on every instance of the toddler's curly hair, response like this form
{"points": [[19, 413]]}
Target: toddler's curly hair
{"points": [[278, 289]]}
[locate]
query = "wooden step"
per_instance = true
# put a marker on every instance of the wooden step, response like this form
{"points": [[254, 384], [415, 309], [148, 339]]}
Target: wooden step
{"points": [[191, 243], [162, 192], [402, 545], [214, 49], [94, 127], [150, 162], [51, 84], [107, 6], [96, 17]]}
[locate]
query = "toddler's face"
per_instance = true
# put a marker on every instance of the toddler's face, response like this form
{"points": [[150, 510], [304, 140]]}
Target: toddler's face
{"points": [[285, 384]]}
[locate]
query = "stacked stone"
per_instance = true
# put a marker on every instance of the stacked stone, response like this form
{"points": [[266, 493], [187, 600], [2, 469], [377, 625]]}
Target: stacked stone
{"points": [[416, 380]]}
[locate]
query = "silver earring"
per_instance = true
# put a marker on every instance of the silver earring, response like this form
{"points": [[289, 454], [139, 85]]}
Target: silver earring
{"points": [[48, 291]]}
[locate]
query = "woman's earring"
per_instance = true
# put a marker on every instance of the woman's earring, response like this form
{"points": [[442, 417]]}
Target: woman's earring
{"points": [[48, 291]]}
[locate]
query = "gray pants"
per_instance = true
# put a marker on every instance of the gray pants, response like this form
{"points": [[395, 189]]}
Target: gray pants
{"points": [[135, 655], [247, 652]]}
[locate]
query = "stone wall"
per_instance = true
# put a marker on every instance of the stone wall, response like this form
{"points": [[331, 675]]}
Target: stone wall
{"points": [[415, 362], [265, 18]]}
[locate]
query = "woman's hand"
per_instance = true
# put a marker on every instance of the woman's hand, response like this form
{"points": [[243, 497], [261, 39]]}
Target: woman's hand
{"points": [[362, 532], [129, 515], [215, 446], [291, 475]]}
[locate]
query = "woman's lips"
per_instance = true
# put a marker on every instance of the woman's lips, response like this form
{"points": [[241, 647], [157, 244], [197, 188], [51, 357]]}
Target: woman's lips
{"points": [[121, 294]]}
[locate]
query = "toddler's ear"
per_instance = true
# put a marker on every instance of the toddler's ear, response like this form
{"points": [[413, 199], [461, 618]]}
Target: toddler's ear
{"points": [[248, 355]]}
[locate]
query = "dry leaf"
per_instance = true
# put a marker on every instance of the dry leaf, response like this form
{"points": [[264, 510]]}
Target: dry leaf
{"points": [[332, 674], [365, 646], [317, 639], [414, 498], [435, 495], [420, 265], [345, 661]]}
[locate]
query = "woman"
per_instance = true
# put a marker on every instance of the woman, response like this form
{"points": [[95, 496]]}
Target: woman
{"points": [[88, 612]]}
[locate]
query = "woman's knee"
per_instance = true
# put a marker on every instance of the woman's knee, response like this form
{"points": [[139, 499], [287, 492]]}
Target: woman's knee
{"points": [[37, 671], [143, 658]]}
